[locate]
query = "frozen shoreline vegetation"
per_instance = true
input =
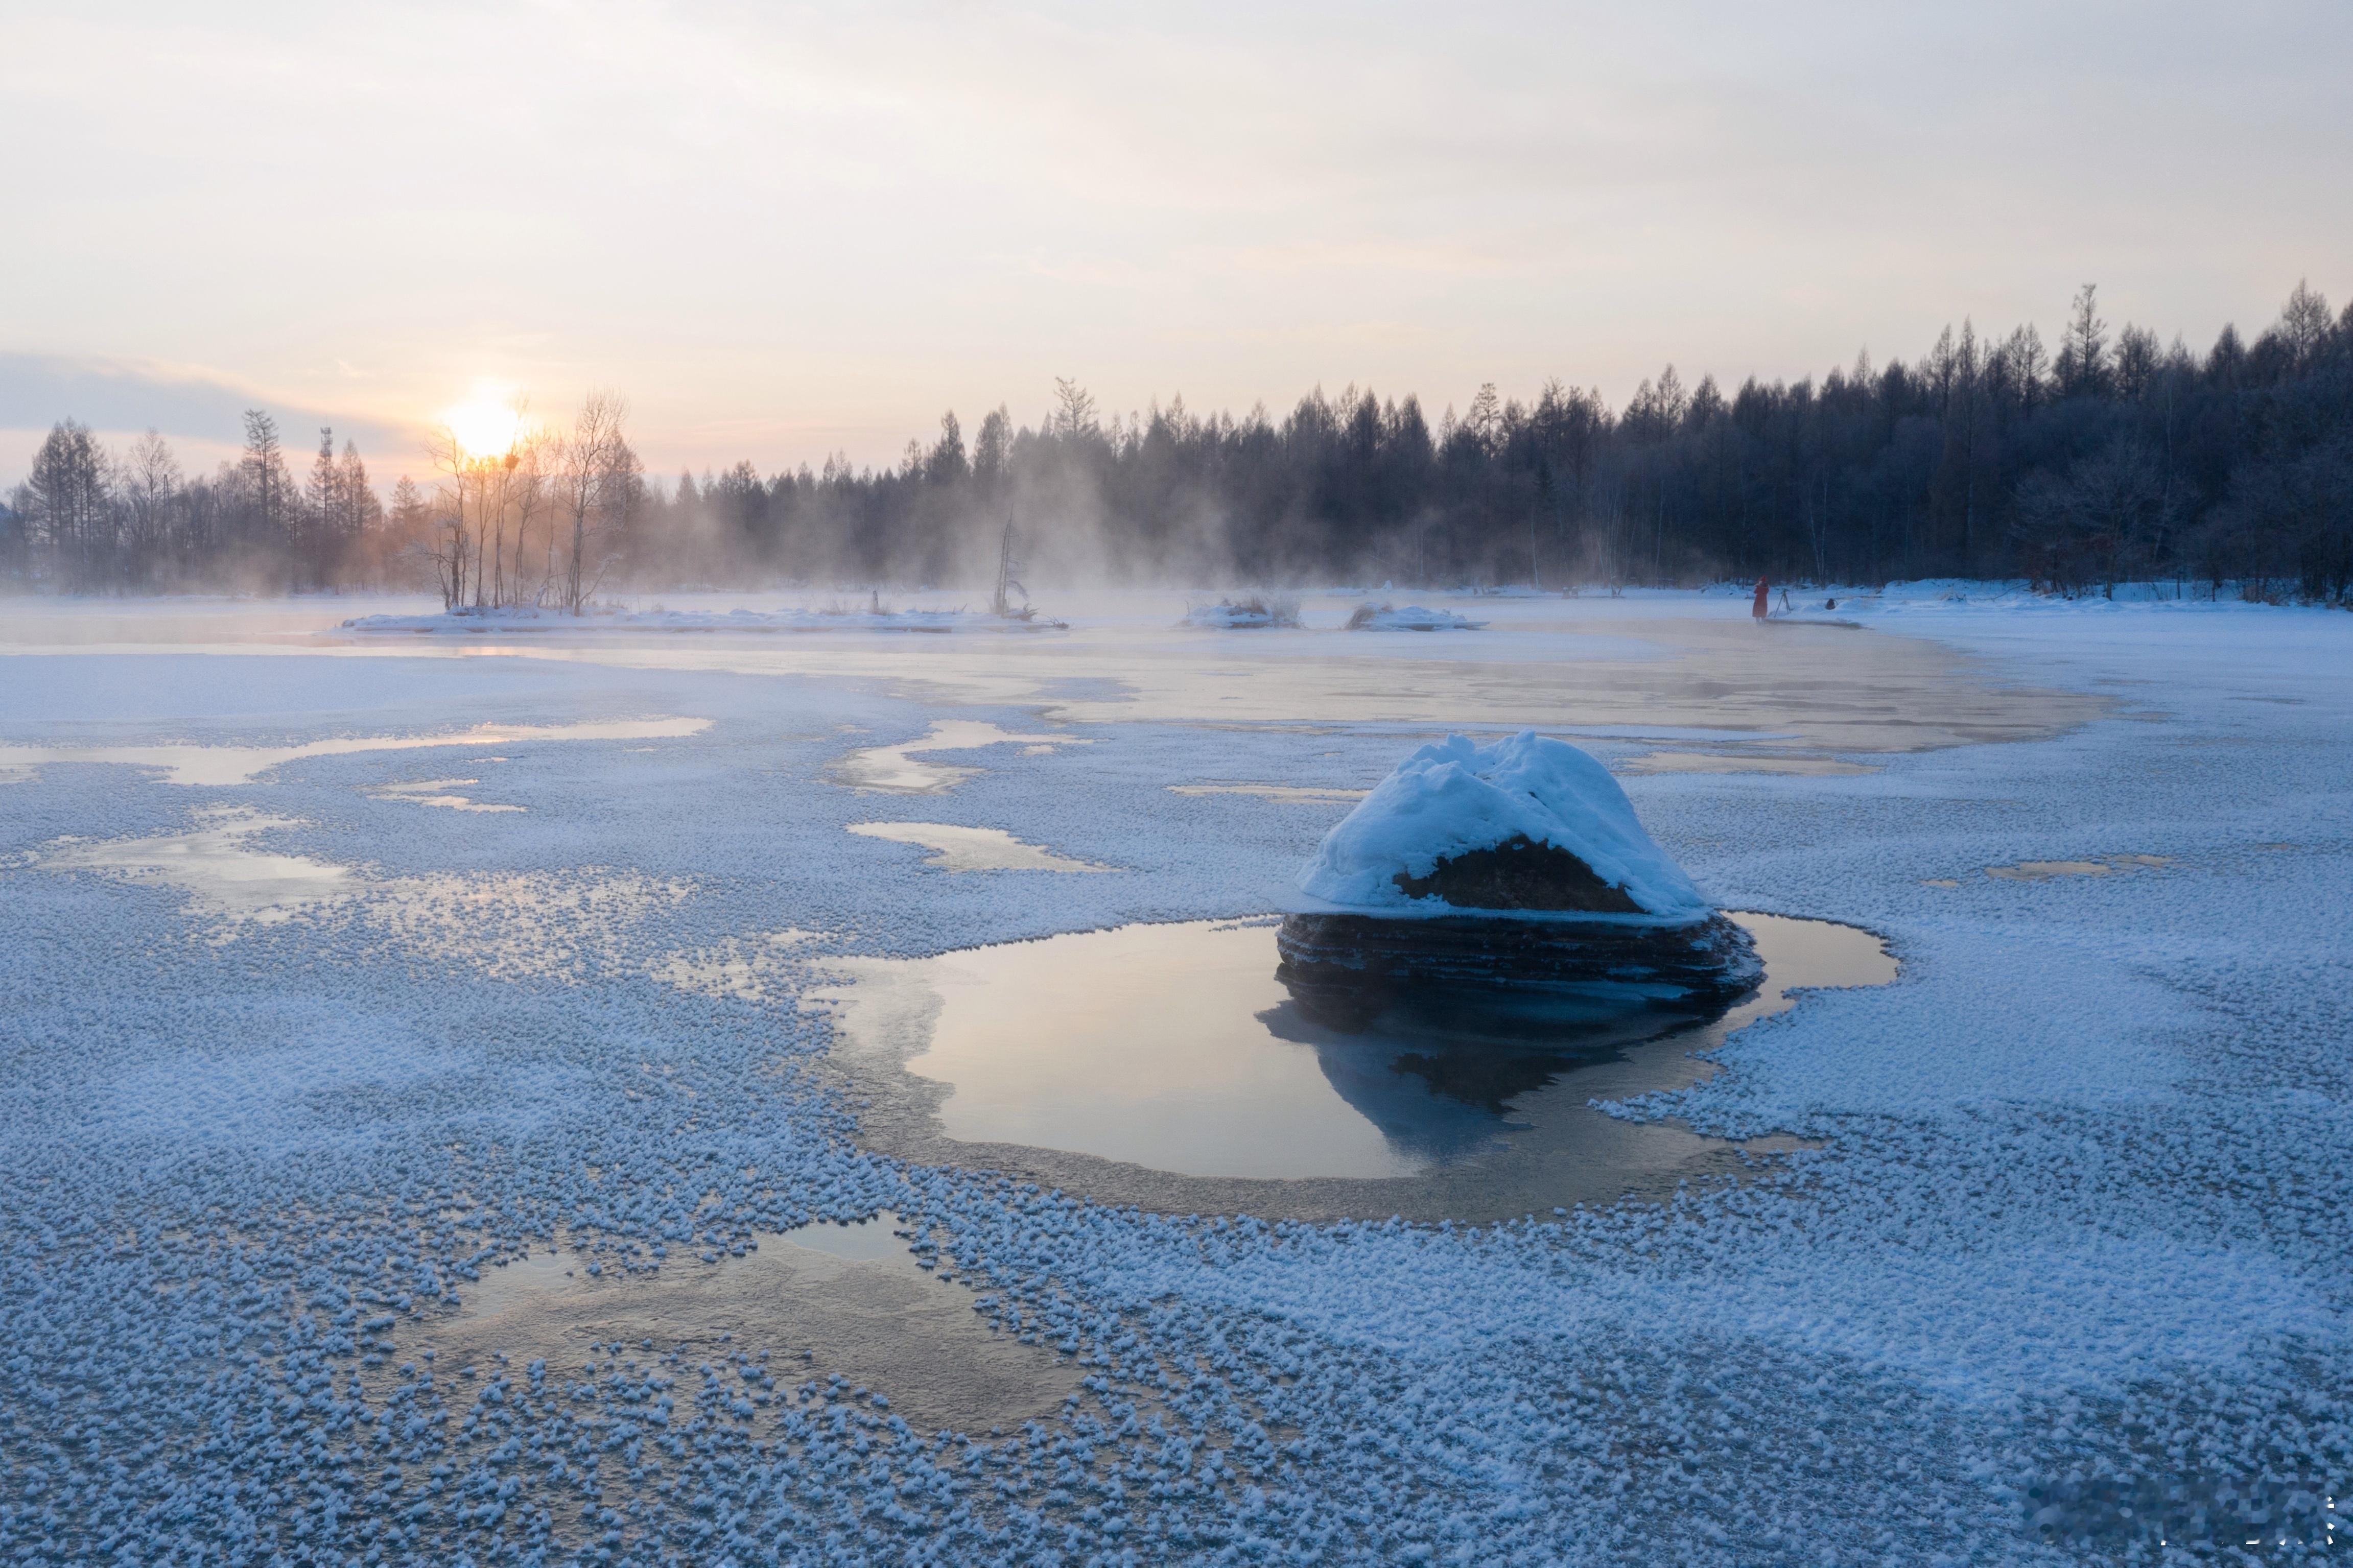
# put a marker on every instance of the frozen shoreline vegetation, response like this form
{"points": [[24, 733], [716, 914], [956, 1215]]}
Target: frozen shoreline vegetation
{"points": [[2073, 1243], [524, 619]]}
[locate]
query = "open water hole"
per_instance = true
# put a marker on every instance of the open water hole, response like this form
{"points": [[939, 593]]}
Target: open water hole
{"points": [[1167, 1065]]}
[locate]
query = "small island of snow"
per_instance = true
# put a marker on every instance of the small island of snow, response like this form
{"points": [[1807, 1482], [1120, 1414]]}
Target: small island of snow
{"points": [[1255, 613], [1371, 618], [526, 618], [1529, 825]]}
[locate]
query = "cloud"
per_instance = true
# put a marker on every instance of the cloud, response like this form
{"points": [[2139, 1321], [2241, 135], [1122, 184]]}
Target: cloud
{"points": [[39, 390], [204, 413]]}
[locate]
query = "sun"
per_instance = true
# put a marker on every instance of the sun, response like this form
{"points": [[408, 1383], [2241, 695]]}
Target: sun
{"points": [[487, 423]]}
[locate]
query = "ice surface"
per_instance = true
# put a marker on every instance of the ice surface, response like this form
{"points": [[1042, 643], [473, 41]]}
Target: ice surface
{"points": [[1456, 796], [2073, 1240], [1742, 762]]}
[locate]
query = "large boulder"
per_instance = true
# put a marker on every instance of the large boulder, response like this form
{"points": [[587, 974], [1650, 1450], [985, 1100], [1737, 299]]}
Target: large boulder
{"points": [[1518, 865]]}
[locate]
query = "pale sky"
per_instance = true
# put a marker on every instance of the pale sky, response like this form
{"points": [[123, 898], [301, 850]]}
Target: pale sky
{"points": [[786, 230]]}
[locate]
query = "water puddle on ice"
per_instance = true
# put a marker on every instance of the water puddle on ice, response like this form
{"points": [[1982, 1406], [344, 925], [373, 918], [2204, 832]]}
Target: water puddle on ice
{"points": [[1296, 794], [2107, 865], [1713, 762], [552, 924], [896, 769], [956, 848], [1167, 1065], [215, 863], [193, 763], [437, 792], [821, 1300]]}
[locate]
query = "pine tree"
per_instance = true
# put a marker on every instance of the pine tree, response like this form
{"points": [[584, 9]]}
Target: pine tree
{"points": [[269, 489], [69, 502], [322, 514], [2083, 354]]}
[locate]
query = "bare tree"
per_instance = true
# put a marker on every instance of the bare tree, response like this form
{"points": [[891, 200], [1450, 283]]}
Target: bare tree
{"points": [[1074, 410], [2100, 520], [594, 466], [152, 498], [525, 495], [456, 550], [2083, 352], [2305, 325]]}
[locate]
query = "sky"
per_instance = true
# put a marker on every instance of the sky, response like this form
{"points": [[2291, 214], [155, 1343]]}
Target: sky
{"points": [[786, 231]]}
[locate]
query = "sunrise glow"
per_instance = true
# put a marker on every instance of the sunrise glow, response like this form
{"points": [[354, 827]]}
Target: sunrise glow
{"points": [[487, 423]]}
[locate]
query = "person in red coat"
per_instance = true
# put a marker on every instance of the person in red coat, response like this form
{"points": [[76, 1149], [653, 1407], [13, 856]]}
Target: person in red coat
{"points": [[1758, 608]]}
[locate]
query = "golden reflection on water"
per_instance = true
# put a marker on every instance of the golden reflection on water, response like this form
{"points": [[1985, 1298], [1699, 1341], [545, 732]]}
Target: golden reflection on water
{"points": [[194, 763], [1175, 1047]]}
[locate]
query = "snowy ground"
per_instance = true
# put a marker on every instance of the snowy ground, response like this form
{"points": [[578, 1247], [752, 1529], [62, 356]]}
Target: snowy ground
{"points": [[302, 1044]]}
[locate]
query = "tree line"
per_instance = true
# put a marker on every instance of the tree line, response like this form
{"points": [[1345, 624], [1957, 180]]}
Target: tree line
{"points": [[2107, 457]]}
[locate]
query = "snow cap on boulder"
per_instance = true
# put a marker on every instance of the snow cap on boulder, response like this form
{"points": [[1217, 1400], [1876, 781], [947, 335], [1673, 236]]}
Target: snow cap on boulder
{"points": [[1526, 825]]}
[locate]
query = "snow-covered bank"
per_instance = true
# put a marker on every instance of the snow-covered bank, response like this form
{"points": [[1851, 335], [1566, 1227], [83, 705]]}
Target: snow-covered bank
{"points": [[1947, 596], [528, 619], [2074, 1241]]}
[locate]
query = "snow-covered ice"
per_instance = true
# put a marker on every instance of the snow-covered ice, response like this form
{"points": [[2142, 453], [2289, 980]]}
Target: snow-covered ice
{"points": [[2058, 1272]]}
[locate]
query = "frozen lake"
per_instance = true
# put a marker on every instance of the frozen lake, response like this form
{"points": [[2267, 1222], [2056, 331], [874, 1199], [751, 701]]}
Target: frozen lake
{"points": [[826, 1097]]}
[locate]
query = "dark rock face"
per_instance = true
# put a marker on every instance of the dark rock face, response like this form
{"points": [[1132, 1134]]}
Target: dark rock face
{"points": [[1519, 874], [1353, 967]]}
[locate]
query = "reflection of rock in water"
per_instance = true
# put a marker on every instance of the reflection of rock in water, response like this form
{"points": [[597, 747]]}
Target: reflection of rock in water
{"points": [[1434, 1065], [1169, 1066], [1362, 1071]]}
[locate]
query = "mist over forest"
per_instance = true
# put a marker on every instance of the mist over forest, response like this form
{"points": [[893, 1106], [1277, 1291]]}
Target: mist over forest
{"points": [[2106, 456]]}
